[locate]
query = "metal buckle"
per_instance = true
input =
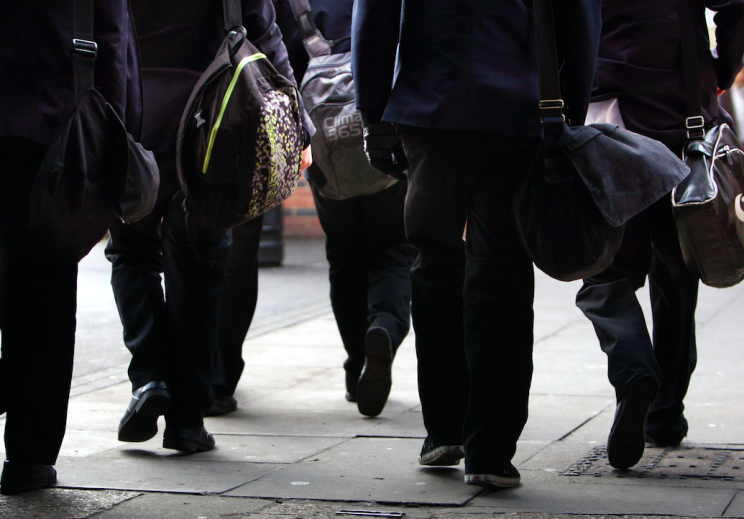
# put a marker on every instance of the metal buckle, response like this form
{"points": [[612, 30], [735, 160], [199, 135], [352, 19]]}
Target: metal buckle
{"points": [[552, 105], [695, 127], [87, 48]]}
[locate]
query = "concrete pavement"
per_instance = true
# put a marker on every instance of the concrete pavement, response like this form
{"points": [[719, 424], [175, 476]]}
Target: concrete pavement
{"points": [[296, 448]]}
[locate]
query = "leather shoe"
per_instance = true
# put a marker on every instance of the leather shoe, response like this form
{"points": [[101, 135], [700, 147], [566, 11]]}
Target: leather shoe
{"points": [[140, 421], [188, 440], [18, 478], [627, 438], [223, 404], [376, 379]]}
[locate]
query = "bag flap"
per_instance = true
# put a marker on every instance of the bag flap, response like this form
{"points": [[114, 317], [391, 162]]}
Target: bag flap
{"points": [[625, 172]]}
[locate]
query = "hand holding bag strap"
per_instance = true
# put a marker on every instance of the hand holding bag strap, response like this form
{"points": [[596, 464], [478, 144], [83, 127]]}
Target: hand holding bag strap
{"points": [[551, 100], [315, 44], [694, 122], [85, 49]]}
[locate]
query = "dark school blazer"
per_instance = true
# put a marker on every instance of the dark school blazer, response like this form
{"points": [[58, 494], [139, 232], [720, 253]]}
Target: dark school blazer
{"points": [[640, 63], [467, 64], [36, 77]]}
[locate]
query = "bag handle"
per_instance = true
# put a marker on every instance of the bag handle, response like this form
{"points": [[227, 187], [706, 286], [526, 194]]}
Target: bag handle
{"points": [[552, 107], [84, 49], [315, 44], [694, 122]]}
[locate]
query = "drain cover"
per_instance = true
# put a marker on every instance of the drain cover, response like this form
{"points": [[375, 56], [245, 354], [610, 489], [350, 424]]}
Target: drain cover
{"points": [[674, 463]]}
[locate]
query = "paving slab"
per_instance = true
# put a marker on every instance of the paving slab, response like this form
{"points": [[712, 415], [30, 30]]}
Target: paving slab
{"points": [[409, 424], [736, 508], [553, 416], [58, 503], [178, 506], [143, 470], [295, 422], [365, 469], [574, 498]]}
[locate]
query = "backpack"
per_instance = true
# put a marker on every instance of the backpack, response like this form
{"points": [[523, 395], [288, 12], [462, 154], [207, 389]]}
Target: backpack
{"points": [[240, 139], [327, 90]]}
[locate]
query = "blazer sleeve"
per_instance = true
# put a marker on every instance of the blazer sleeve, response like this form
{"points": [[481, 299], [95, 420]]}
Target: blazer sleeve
{"points": [[111, 33], [729, 52], [578, 25], [374, 42], [259, 19]]}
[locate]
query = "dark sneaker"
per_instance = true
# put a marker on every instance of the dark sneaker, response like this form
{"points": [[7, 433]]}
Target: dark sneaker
{"points": [[663, 440], [504, 477], [223, 404], [188, 440], [140, 421], [627, 438], [376, 379], [24, 478], [441, 455]]}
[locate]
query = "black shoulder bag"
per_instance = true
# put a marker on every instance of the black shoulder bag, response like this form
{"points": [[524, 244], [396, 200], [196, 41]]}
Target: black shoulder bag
{"points": [[93, 171], [707, 205], [584, 182]]}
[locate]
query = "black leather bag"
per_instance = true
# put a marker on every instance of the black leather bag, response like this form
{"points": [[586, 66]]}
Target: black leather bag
{"points": [[707, 205], [584, 182], [93, 171], [708, 208]]}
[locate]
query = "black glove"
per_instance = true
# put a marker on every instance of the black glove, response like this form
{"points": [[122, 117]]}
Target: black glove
{"points": [[385, 150]]}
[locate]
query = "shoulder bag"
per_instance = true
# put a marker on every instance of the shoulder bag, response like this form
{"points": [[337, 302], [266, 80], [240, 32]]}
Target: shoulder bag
{"points": [[93, 171], [707, 205], [584, 182]]}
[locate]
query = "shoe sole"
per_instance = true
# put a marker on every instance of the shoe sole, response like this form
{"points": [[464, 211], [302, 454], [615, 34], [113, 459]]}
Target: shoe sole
{"points": [[10, 489], [185, 445], [444, 456], [627, 439], [490, 480], [376, 379], [142, 424]]}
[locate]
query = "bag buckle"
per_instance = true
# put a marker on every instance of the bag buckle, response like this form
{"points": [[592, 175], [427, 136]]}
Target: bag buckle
{"points": [[552, 110], [87, 48], [695, 127]]}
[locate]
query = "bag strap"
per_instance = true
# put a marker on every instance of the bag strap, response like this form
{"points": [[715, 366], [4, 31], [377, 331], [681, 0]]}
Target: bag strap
{"points": [[552, 116], [84, 49], [232, 11], [694, 122], [315, 44]]}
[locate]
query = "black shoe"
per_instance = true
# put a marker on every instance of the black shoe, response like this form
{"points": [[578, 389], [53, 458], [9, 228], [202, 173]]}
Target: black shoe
{"points": [[440, 455], [628, 435], [140, 422], [502, 477], [188, 440], [23, 478], [376, 379], [223, 404], [664, 440], [352, 380]]}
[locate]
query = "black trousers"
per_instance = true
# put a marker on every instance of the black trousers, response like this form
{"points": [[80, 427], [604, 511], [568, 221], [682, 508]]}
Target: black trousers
{"points": [[173, 334], [369, 260], [37, 318], [472, 300], [238, 306], [650, 247]]}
